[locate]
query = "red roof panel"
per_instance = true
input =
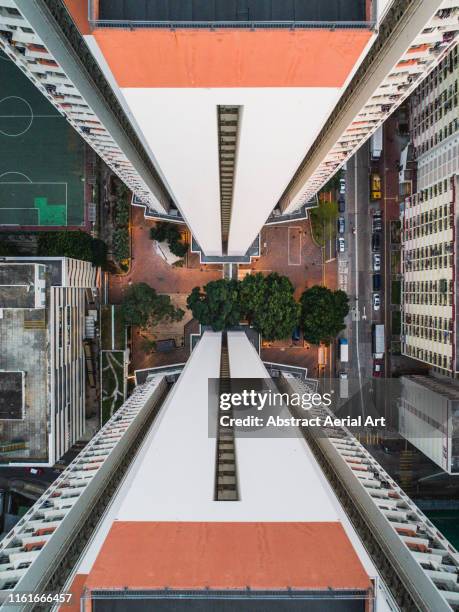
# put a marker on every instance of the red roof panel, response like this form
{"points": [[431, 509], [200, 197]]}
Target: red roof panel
{"points": [[144, 555]]}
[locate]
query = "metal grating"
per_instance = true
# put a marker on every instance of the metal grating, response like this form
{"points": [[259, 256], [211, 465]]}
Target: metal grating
{"points": [[225, 465], [228, 126]]}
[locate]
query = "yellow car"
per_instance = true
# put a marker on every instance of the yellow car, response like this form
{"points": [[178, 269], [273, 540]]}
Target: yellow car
{"points": [[375, 187]]}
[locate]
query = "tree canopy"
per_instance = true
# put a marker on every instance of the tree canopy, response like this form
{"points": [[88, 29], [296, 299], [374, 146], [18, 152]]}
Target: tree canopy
{"points": [[266, 301], [6, 248], [218, 305], [144, 307], [77, 244], [170, 233], [269, 304], [322, 313]]}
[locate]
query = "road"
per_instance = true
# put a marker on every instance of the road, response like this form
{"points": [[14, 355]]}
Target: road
{"points": [[358, 261]]}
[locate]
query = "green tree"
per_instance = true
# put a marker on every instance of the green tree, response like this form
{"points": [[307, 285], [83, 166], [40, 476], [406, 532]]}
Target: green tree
{"points": [[6, 248], [269, 304], [170, 233], [217, 305], [322, 313], [144, 307], [77, 244]]}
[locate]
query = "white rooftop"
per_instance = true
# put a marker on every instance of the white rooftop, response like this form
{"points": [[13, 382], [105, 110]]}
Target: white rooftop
{"points": [[176, 479]]}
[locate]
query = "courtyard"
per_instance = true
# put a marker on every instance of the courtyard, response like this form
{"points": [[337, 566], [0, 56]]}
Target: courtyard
{"points": [[285, 248]]}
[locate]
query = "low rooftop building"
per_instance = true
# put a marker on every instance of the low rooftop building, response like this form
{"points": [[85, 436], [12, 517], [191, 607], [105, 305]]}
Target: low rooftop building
{"points": [[42, 363]]}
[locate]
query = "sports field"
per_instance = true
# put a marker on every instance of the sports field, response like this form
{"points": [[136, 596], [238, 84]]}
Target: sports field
{"points": [[41, 157]]}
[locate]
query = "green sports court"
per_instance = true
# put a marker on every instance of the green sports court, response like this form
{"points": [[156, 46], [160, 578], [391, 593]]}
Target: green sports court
{"points": [[41, 157]]}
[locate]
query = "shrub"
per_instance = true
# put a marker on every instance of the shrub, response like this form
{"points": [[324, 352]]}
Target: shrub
{"points": [[120, 242]]}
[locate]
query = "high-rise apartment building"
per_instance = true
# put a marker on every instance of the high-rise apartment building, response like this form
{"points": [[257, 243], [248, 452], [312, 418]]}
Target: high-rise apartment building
{"points": [[143, 518], [226, 111], [429, 223], [427, 413], [42, 361]]}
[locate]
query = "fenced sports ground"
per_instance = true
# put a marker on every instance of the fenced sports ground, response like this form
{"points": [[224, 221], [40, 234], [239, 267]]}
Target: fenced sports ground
{"points": [[41, 157]]}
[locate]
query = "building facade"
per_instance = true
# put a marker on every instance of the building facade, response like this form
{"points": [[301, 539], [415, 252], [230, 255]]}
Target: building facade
{"points": [[289, 94], [43, 302], [138, 519], [429, 223], [429, 418]]}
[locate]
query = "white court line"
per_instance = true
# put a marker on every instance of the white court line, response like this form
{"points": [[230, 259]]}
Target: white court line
{"points": [[30, 116], [35, 183], [14, 173], [288, 242], [31, 182], [64, 183]]}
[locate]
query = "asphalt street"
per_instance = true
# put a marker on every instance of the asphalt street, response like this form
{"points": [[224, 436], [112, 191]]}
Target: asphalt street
{"points": [[357, 270]]}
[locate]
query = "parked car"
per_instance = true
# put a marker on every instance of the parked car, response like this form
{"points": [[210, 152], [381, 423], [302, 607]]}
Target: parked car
{"points": [[341, 204], [343, 350], [35, 471], [376, 262], [376, 282], [341, 225], [343, 385], [296, 334], [341, 245], [375, 241], [375, 186], [342, 185], [377, 221], [376, 301], [378, 368]]}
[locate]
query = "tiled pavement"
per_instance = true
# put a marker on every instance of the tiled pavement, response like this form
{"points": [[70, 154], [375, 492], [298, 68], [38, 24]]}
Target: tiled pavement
{"points": [[299, 356], [148, 267], [287, 249]]}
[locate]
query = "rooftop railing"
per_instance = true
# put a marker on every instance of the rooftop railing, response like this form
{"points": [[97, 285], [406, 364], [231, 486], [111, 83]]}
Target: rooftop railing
{"points": [[243, 21]]}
